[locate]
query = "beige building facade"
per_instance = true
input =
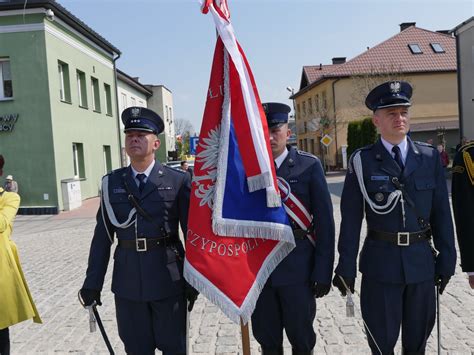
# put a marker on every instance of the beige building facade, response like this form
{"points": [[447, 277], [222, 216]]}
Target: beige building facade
{"points": [[331, 96]]}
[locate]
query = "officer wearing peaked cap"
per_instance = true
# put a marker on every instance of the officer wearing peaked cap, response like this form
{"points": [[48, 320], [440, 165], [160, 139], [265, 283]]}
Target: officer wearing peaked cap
{"points": [[143, 205], [288, 299], [399, 187]]}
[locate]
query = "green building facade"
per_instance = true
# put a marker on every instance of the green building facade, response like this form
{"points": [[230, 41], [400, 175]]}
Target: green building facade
{"points": [[58, 105]]}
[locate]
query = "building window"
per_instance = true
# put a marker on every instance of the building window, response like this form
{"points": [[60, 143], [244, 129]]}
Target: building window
{"points": [[305, 127], [108, 99], [171, 115], [107, 159], [325, 101], [64, 83], [305, 148], [304, 108], [298, 111], [310, 106], [312, 146], [6, 88], [124, 101], [95, 94], [133, 101], [78, 160], [316, 102], [437, 48], [141, 103], [81, 88], [415, 48]]}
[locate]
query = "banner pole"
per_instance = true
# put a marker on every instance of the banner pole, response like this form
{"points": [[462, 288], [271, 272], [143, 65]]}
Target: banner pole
{"points": [[245, 338]]}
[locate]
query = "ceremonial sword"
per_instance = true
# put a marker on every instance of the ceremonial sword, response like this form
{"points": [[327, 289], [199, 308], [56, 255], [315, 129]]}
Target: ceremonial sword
{"points": [[94, 318]]}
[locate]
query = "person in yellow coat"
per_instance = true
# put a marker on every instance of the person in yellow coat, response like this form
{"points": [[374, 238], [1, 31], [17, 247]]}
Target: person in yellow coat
{"points": [[16, 303]]}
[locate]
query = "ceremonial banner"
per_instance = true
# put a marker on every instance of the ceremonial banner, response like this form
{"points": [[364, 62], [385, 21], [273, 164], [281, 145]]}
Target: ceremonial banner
{"points": [[238, 230]]}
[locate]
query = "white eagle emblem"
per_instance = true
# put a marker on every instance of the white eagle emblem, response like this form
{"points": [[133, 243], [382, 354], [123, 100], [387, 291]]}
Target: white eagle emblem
{"points": [[135, 111], [395, 87]]}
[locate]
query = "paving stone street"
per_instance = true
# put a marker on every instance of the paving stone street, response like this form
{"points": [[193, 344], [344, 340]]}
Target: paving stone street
{"points": [[54, 251]]}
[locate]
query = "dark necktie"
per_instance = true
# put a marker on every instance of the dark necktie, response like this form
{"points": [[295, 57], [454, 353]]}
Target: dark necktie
{"points": [[398, 156], [141, 178]]}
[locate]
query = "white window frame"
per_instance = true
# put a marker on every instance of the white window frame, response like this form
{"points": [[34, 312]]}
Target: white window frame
{"points": [[62, 93], [75, 160], [108, 99], [124, 101], [2, 92], [95, 105]]}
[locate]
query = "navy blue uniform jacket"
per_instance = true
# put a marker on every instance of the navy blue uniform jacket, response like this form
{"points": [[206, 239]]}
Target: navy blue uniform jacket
{"points": [[305, 263], [424, 181], [156, 273]]}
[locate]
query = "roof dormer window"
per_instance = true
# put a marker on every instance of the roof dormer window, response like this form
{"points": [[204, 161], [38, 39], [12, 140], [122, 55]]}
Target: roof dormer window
{"points": [[437, 48], [415, 48]]}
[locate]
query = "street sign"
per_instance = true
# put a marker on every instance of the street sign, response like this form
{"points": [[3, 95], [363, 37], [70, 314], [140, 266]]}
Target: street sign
{"points": [[193, 143], [326, 140]]}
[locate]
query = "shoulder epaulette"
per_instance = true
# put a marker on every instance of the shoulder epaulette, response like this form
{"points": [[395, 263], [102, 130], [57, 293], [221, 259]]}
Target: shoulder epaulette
{"points": [[424, 144], [115, 172], [305, 154], [179, 170]]}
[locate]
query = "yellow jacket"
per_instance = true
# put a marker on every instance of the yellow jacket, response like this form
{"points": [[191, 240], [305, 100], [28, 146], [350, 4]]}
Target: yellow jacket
{"points": [[16, 303]]}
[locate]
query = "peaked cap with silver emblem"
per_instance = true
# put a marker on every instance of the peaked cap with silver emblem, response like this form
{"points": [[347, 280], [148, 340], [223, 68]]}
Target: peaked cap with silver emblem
{"points": [[142, 119], [276, 113], [389, 94]]}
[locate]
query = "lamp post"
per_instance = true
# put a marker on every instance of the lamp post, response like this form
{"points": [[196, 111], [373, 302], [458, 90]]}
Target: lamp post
{"points": [[292, 90]]}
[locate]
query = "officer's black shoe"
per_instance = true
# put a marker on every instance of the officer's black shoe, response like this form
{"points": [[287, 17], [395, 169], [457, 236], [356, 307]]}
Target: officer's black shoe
{"points": [[297, 352], [267, 351]]}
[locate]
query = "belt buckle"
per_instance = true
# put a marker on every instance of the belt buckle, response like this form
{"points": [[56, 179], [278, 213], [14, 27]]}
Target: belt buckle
{"points": [[403, 239], [141, 244]]}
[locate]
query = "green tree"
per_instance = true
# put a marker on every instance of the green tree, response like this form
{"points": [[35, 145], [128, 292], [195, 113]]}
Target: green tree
{"points": [[360, 133]]}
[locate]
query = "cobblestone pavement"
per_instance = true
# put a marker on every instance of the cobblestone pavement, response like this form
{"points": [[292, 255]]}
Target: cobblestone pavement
{"points": [[54, 251]]}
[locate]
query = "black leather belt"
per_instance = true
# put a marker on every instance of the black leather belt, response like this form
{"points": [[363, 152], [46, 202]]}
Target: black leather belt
{"points": [[300, 233], [144, 244], [402, 239]]}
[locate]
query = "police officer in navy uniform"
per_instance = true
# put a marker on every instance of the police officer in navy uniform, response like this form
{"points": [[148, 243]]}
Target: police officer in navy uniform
{"points": [[462, 192], [288, 298], [142, 205], [400, 188]]}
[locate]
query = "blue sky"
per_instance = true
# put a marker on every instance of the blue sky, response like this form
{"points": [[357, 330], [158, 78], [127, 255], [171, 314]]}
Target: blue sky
{"points": [[170, 42]]}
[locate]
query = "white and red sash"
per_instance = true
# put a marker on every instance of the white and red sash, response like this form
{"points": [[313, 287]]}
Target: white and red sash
{"points": [[295, 208]]}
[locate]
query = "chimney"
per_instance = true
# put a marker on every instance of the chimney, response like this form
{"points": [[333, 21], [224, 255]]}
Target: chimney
{"points": [[405, 25], [445, 32], [136, 78], [320, 66], [338, 60]]}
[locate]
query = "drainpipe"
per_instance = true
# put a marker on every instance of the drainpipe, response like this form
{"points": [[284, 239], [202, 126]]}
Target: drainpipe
{"points": [[334, 111], [119, 133], [460, 93]]}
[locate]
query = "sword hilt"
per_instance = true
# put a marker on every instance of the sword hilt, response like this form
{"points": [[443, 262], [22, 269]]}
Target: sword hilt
{"points": [[92, 320]]}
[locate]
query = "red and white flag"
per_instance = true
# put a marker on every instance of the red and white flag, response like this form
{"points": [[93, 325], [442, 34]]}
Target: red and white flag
{"points": [[238, 230]]}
